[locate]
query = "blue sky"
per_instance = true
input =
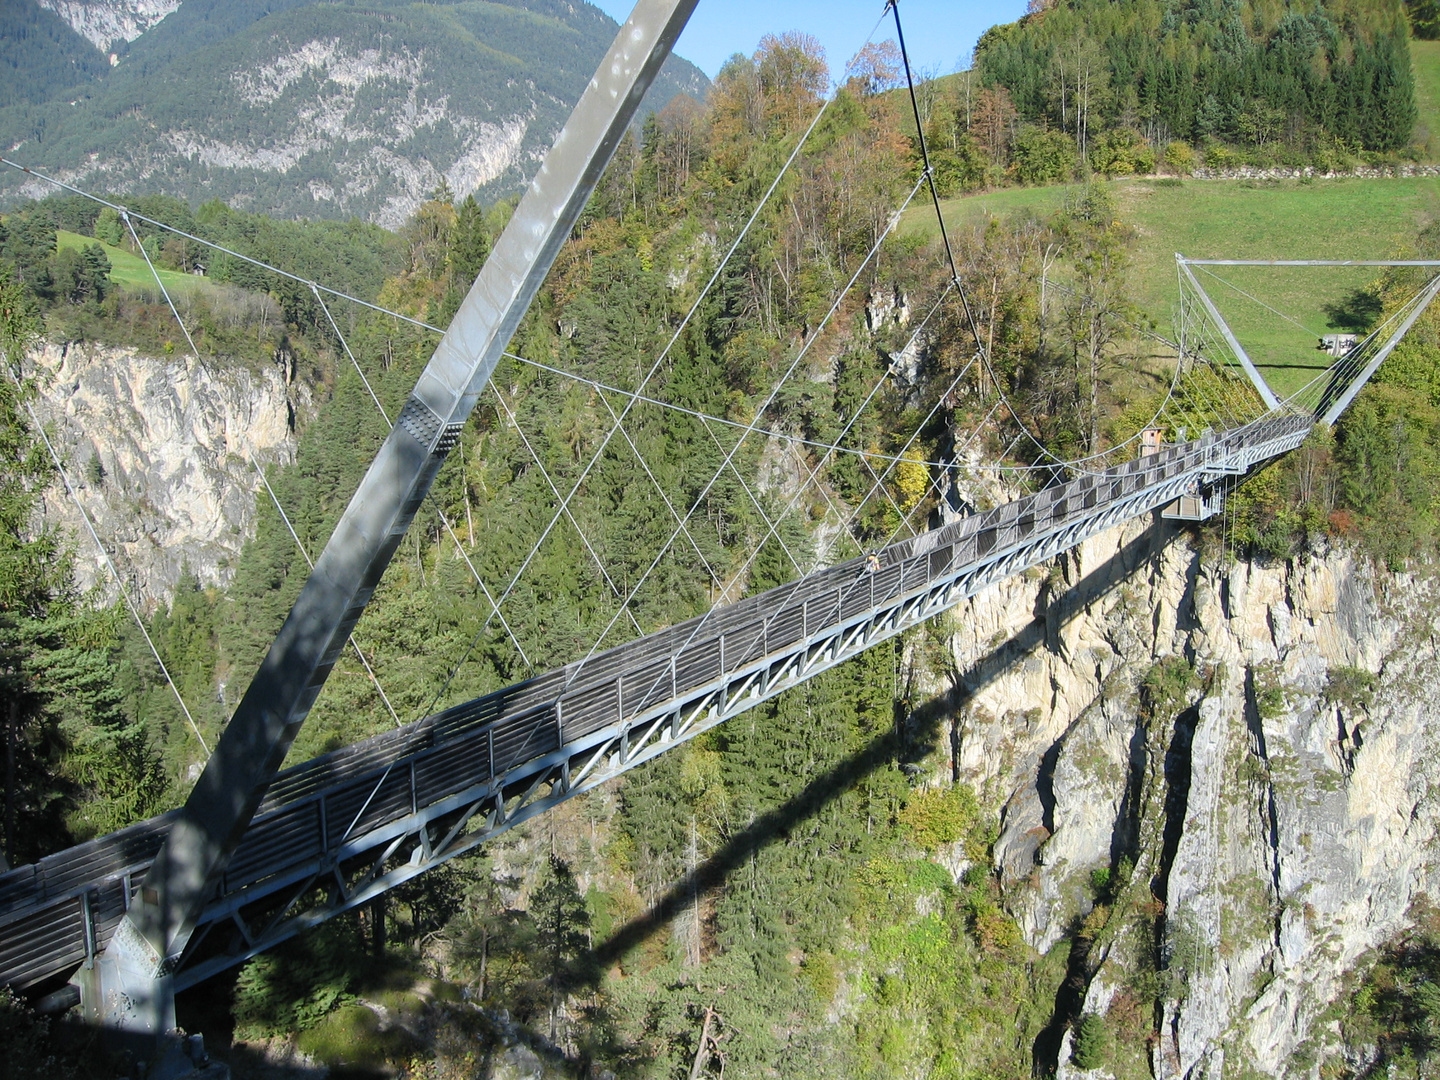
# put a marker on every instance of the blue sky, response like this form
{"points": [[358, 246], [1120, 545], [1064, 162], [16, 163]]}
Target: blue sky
{"points": [[938, 33]]}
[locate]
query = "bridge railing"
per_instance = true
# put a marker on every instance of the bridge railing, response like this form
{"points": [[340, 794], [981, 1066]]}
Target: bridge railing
{"points": [[57, 913]]}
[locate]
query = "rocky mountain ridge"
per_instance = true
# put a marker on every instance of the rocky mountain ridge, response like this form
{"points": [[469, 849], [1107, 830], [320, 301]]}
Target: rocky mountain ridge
{"points": [[308, 109]]}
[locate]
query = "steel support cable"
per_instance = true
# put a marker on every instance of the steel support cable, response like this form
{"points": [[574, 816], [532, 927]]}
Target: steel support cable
{"points": [[854, 513], [163, 291], [430, 495], [283, 516], [755, 501], [584, 540], [385, 698], [1206, 404], [928, 175], [115, 573], [1256, 300], [1200, 399], [767, 622], [695, 306], [1350, 364], [814, 471], [935, 475], [660, 490], [1199, 387], [314, 288], [775, 390], [729, 457], [939, 401], [893, 462], [1232, 417], [723, 421], [1191, 387], [675, 337], [118, 208]]}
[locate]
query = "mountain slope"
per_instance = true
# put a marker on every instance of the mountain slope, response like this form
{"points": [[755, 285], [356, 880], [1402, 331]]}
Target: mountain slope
{"points": [[327, 110], [41, 56]]}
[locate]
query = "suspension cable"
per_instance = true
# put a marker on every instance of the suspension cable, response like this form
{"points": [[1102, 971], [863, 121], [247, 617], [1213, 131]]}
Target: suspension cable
{"points": [[283, 516], [115, 573], [794, 365], [311, 564]]}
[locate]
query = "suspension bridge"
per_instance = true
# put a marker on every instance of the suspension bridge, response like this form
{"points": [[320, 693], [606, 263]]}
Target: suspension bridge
{"points": [[259, 854]]}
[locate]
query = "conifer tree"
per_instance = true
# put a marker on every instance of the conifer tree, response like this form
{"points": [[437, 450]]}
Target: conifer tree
{"points": [[562, 934]]}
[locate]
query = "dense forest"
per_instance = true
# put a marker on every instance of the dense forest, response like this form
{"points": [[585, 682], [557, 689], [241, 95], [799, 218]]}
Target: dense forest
{"points": [[1080, 86], [846, 919]]}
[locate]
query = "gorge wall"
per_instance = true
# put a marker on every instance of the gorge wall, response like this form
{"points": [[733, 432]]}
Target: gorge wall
{"points": [[162, 452], [1187, 724], [1257, 826]]}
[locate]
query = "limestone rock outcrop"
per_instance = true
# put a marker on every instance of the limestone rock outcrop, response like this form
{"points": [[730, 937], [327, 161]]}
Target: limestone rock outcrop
{"points": [[162, 453], [1275, 811]]}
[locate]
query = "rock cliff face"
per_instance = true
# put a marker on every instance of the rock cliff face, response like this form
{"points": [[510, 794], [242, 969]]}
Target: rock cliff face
{"points": [[1277, 815], [107, 24], [162, 454]]}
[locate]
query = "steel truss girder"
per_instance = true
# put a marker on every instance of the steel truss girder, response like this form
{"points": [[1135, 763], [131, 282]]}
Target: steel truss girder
{"points": [[349, 869], [536, 786], [128, 989]]}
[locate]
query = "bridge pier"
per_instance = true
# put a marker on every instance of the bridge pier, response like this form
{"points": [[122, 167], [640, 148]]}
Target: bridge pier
{"points": [[124, 990]]}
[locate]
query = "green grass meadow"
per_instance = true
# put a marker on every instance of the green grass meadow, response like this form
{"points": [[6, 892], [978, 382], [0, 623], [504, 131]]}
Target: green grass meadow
{"points": [[1255, 219], [1245, 219], [131, 271], [1425, 65]]}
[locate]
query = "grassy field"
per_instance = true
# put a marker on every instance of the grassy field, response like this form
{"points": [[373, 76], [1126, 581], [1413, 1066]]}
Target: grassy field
{"points": [[1425, 65], [1326, 219], [130, 270]]}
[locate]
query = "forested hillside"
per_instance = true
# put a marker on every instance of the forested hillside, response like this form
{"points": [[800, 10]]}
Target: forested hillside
{"points": [[309, 109], [855, 913], [1129, 87]]}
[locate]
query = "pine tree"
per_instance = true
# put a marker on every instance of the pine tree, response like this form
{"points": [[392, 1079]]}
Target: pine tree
{"points": [[68, 741], [562, 935]]}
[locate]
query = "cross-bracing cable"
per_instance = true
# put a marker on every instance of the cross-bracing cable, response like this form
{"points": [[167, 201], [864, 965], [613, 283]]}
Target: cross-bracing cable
{"points": [[163, 291], [675, 337], [311, 564], [660, 490], [660, 359], [1256, 300], [577, 668], [584, 540], [1353, 360], [283, 516], [115, 573], [632, 400], [848, 521], [774, 392], [855, 512], [430, 495]]}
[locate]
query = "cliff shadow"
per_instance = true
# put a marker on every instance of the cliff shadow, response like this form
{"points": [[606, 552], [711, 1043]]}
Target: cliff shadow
{"points": [[910, 739]]}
